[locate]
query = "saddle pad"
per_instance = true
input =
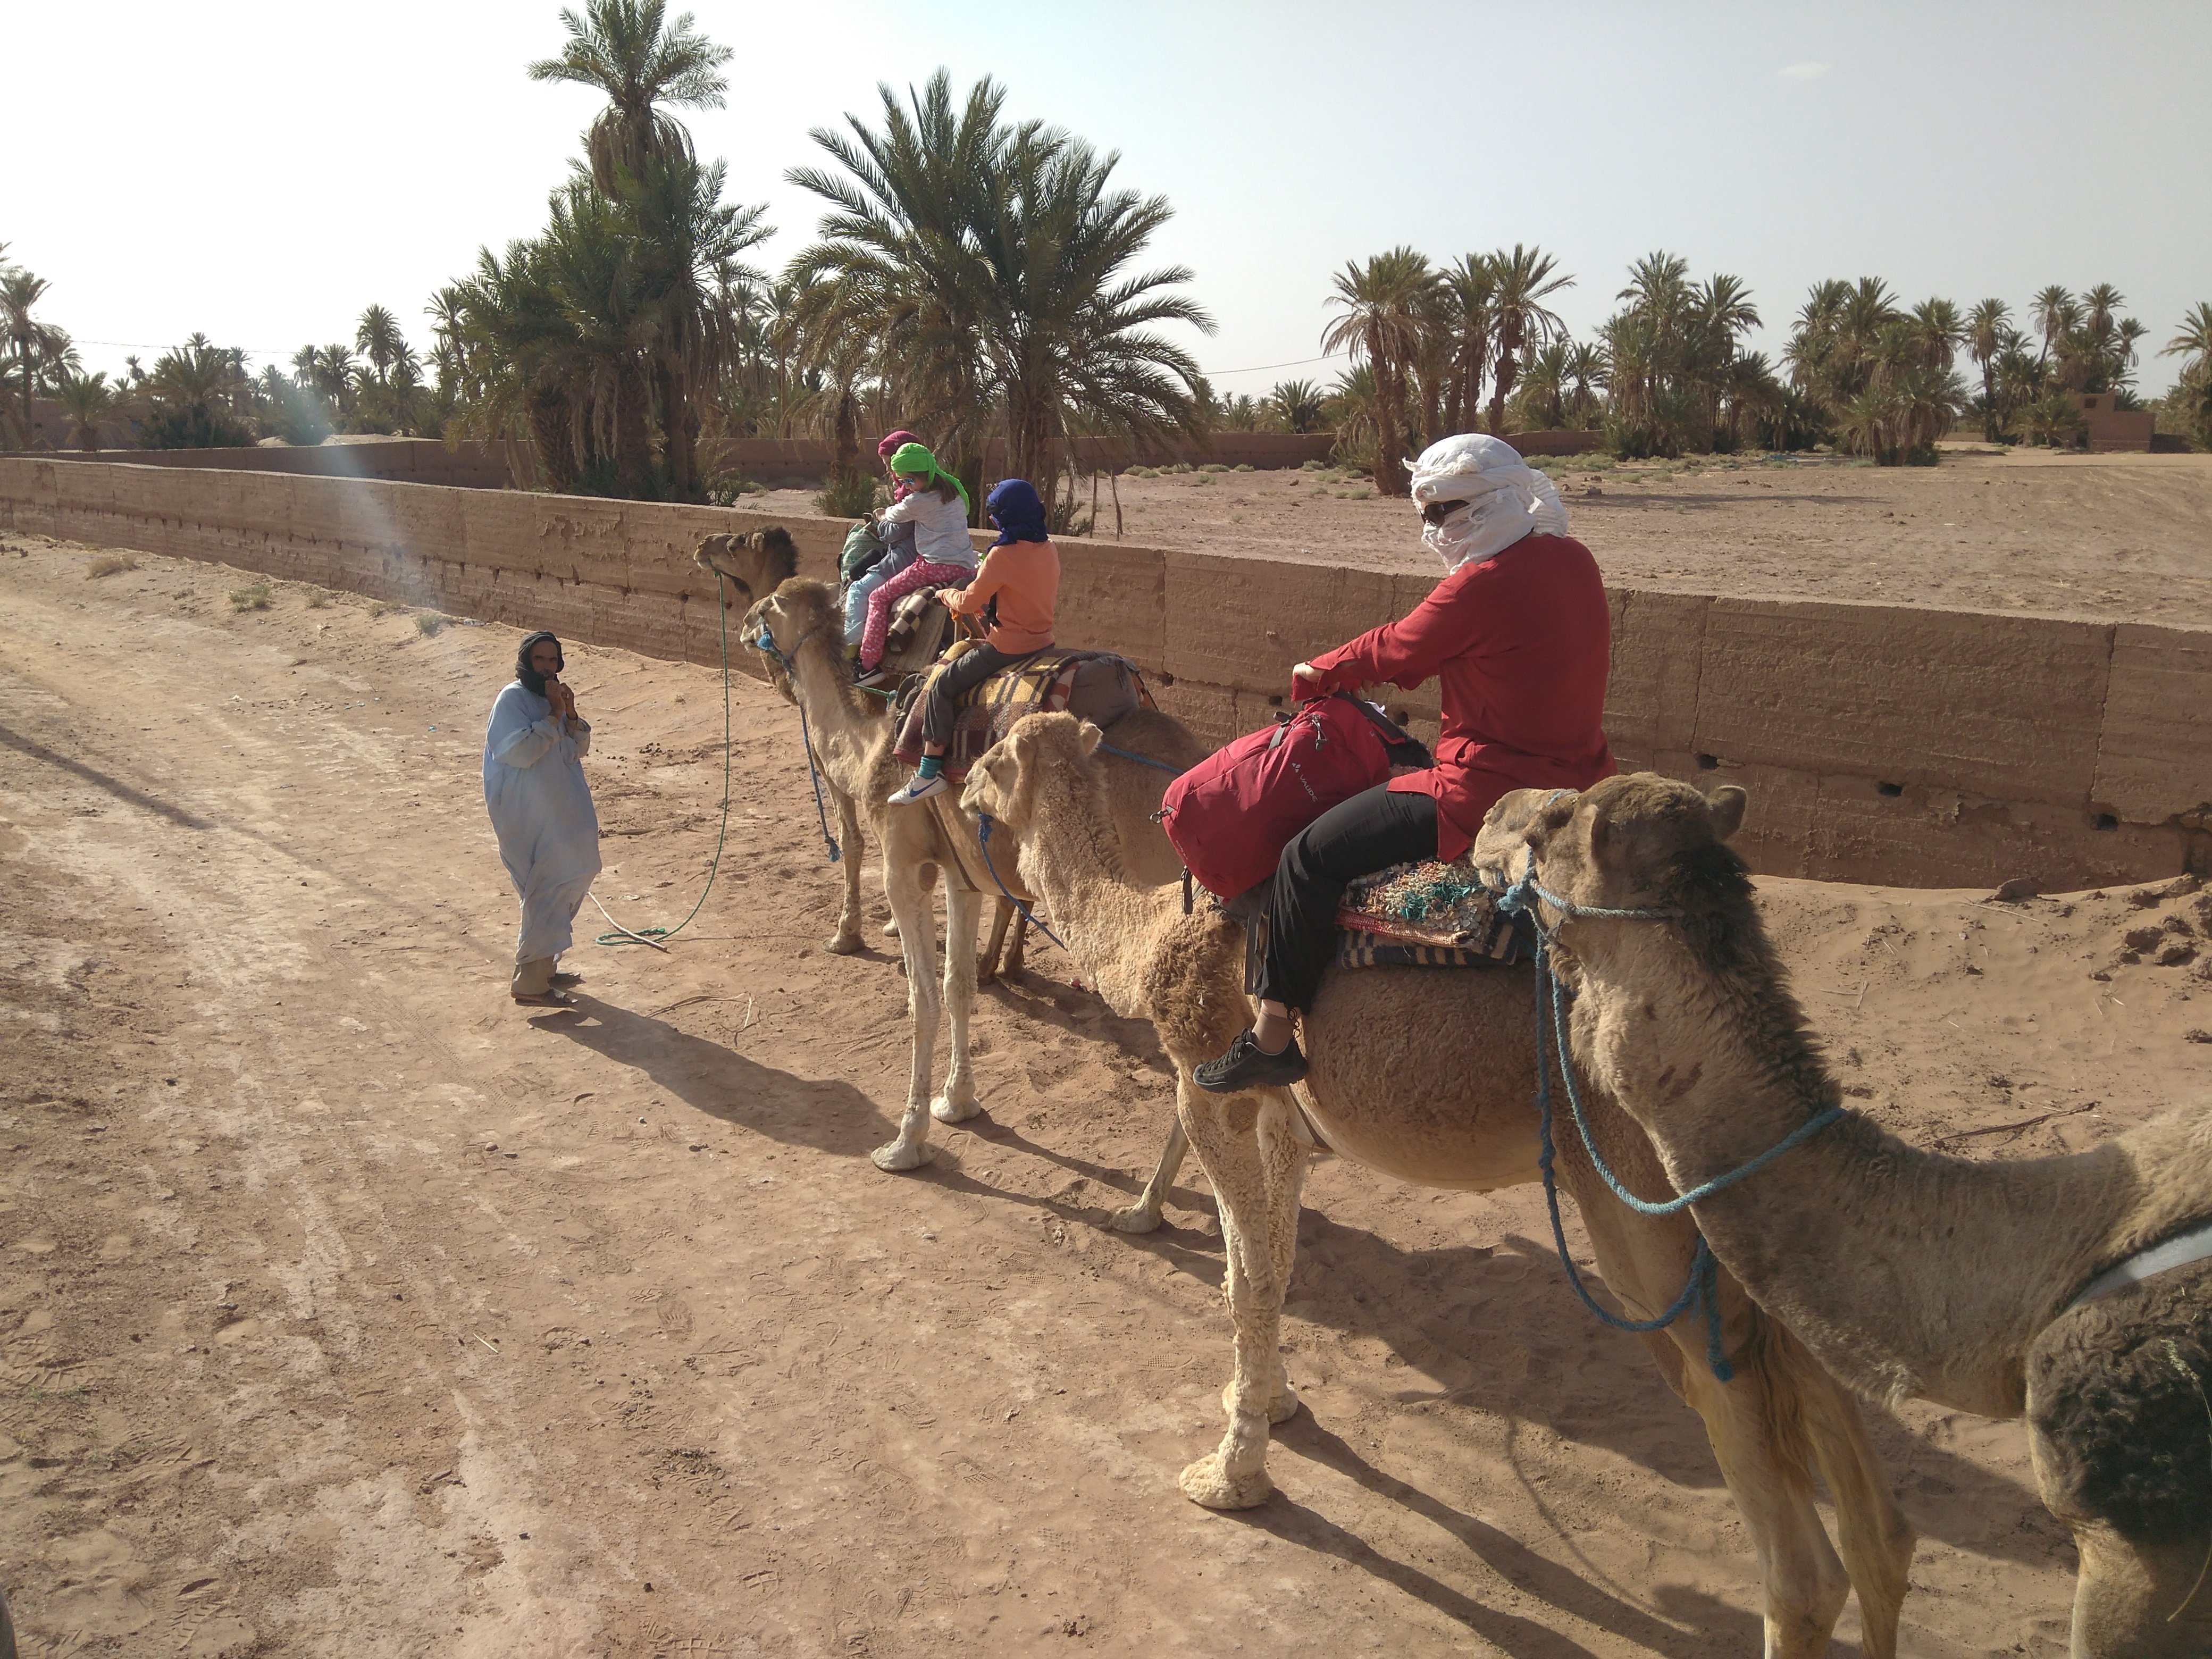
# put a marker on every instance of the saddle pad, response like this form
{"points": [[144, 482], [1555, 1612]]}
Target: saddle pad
{"points": [[1358, 948], [1096, 684], [911, 612], [1424, 915]]}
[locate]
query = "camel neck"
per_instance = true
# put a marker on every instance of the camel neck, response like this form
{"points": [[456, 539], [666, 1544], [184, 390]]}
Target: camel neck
{"points": [[1910, 1273], [848, 736], [1070, 859]]}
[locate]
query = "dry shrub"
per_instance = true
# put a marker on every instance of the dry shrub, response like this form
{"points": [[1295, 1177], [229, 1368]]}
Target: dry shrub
{"points": [[428, 622], [318, 598], [110, 564], [254, 596]]}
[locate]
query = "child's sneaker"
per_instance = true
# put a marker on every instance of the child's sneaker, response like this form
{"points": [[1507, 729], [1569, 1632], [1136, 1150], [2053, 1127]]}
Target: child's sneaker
{"points": [[918, 788]]}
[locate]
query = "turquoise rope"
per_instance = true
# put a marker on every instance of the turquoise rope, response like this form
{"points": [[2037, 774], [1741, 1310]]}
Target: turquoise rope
{"points": [[641, 935], [1702, 1289]]}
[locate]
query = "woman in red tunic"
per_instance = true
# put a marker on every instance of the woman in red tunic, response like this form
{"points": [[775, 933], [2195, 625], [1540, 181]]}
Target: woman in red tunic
{"points": [[1518, 639]]}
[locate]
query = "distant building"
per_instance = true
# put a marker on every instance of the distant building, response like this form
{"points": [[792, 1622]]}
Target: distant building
{"points": [[2105, 425]]}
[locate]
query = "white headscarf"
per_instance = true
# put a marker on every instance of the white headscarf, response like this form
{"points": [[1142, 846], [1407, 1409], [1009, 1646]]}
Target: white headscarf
{"points": [[1506, 499]]}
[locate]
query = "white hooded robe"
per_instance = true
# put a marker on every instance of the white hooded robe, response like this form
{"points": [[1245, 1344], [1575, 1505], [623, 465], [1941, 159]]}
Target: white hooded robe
{"points": [[541, 809]]}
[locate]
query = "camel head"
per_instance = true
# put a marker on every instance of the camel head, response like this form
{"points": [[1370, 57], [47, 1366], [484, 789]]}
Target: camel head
{"points": [[798, 610], [755, 562], [1003, 783], [1639, 841]]}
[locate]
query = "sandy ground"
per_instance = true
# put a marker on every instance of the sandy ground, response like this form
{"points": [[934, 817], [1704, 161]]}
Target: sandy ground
{"points": [[347, 1309], [2126, 537]]}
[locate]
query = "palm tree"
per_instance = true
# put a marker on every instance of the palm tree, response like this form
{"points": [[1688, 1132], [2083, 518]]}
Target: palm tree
{"points": [[989, 264], [627, 49], [1586, 377], [1470, 287], [1987, 326], [1541, 404], [2101, 306], [2054, 314], [1935, 323], [2193, 345], [87, 400], [1296, 404], [1384, 306], [379, 340], [19, 291], [1524, 278]]}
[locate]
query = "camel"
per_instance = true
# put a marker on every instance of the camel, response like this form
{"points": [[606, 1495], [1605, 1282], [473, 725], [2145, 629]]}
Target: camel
{"points": [[755, 563], [1427, 1076], [1909, 1274], [853, 745]]}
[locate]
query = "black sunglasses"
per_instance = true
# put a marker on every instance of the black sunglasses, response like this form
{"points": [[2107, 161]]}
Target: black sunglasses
{"points": [[1436, 511]]}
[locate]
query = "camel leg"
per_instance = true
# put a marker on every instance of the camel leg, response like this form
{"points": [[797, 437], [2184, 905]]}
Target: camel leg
{"points": [[2127, 1596], [987, 969], [1234, 1475], [1283, 1159], [918, 949], [1873, 1536], [962, 908], [847, 939], [1144, 1215], [1804, 1584], [1016, 952]]}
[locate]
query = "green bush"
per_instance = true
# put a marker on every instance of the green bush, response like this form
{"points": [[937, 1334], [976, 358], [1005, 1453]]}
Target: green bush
{"points": [[851, 497], [1313, 466], [1213, 466], [724, 488], [254, 596], [1242, 466], [1144, 472]]}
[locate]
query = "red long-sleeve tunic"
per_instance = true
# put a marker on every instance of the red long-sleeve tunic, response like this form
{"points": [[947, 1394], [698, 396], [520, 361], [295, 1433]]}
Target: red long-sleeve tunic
{"points": [[1520, 645]]}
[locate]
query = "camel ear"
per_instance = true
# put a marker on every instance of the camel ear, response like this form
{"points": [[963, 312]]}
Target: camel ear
{"points": [[1089, 737], [1725, 807]]}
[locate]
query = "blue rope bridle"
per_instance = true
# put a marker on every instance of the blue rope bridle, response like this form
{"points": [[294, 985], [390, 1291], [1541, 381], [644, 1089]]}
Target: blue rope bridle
{"points": [[983, 822], [1702, 1290], [767, 646]]}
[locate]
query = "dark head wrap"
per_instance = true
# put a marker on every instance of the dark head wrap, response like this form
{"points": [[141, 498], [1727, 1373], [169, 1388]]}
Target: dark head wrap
{"points": [[889, 446], [1014, 508], [532, 681]]}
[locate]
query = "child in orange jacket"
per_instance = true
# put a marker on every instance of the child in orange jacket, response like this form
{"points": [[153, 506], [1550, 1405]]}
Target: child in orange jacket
{"points": [[1012, 595]]}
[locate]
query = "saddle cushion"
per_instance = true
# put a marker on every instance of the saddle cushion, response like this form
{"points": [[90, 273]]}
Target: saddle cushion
{"points": [[914, 611], [1426, 915], [1097, 685]]}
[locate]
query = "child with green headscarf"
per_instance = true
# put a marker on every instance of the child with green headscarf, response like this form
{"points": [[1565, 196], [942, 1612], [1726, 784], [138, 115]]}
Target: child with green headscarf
{"points": [[937, 507]]}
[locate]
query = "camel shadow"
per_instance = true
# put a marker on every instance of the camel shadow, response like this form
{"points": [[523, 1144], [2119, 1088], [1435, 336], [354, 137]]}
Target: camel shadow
{"points": [[1500, 1332], [827, 1116], [1714, 1626]]}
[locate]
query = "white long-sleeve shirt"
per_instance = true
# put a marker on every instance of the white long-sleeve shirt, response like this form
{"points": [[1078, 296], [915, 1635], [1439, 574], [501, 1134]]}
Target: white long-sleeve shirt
{"points": [[940, 527]]}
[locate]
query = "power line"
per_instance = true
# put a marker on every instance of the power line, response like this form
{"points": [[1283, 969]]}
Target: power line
{"points": [[1256, 367]]}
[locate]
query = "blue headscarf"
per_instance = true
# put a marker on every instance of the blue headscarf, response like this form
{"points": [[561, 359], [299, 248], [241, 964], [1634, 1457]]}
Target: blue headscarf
{"points": [[1014, 508]]}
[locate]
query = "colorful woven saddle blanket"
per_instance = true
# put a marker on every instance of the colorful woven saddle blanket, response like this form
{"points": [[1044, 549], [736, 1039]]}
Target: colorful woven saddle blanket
{"points": [[1428, 914], [1098, 685]]}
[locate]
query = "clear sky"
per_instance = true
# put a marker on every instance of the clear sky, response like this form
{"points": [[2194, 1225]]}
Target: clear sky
{"points": [[263, 171]]}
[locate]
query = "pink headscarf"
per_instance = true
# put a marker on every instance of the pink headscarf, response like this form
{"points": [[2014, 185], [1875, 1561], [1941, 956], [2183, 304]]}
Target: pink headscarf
{"points": [[886, 450]]}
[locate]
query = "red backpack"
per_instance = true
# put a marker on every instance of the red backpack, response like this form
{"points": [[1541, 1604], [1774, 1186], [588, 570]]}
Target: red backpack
{"points": [[1231, 815]]}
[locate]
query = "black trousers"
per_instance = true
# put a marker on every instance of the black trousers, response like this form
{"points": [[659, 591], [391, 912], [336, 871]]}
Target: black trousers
{"points": [[1370, 832], [975, 665]]}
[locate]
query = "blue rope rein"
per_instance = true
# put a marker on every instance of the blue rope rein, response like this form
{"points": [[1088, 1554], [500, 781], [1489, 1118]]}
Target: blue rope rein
{"points": [[1702, 1291], [767, 646], [983, 823], [1142, 760]]}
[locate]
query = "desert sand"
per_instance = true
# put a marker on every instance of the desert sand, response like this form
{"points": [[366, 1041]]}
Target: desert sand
{"points": [[347, 1309]]}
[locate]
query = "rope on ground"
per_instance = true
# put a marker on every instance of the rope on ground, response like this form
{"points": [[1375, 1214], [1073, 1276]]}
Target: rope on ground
{"points": [[653, 936]]}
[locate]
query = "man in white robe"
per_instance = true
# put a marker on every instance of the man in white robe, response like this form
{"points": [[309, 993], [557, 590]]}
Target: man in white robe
{"points": [[541, 809]]}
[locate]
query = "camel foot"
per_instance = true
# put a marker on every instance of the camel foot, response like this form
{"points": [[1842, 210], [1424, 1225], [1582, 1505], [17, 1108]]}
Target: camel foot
{"points": [[986, 972], [1138, 1218], [891, 928], [945, 1109], [899, 1155], [1204, 1485], [1281, 1409], [844, 944]]}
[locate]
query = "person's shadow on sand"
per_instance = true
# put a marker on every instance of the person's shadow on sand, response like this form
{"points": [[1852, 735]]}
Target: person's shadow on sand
{"points": [[829, 1115]]}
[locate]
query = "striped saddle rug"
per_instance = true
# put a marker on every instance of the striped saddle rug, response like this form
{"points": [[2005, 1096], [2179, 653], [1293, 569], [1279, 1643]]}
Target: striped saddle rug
{"points": [[1098, 685]]}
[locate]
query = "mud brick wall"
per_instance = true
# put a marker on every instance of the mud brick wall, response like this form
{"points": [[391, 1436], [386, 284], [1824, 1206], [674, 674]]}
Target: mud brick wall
{"points": [[1879, 743]]}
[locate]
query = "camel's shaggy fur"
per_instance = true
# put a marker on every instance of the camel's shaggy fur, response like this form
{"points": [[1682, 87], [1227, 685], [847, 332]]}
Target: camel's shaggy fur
{"points": [[1910, 1274], [1428, 1075]]}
